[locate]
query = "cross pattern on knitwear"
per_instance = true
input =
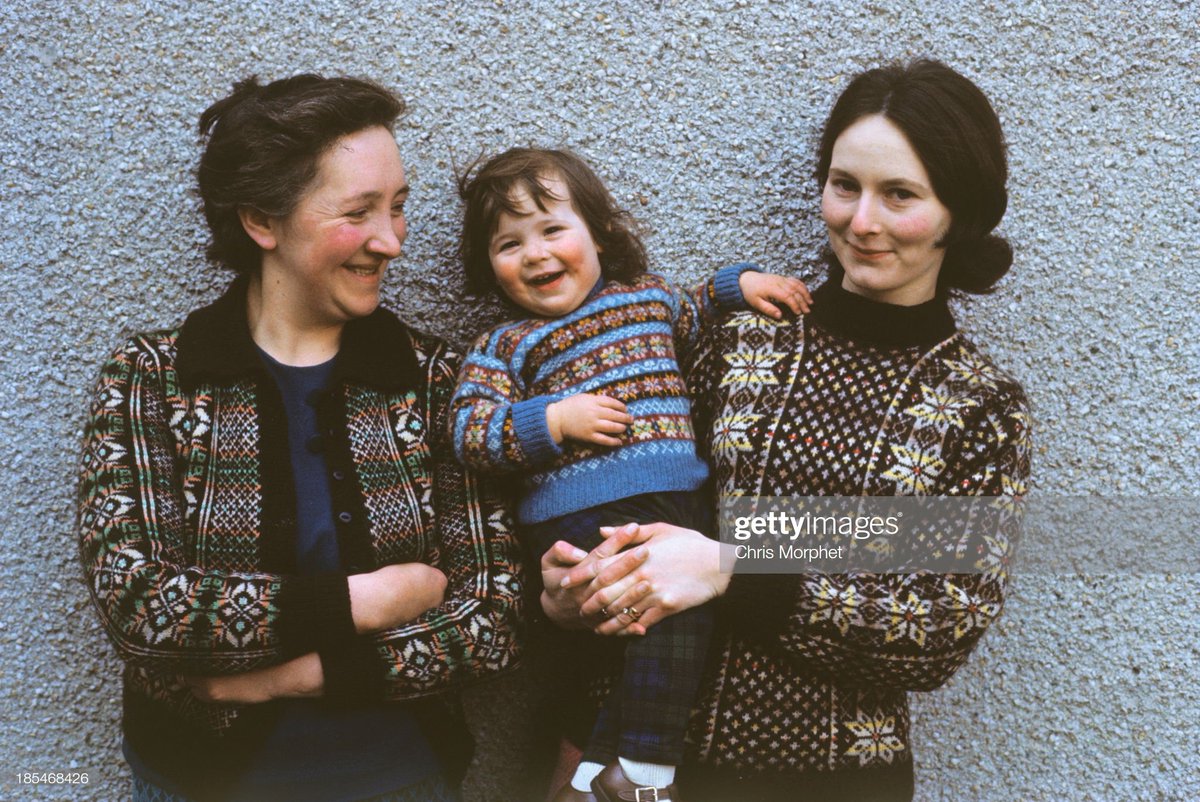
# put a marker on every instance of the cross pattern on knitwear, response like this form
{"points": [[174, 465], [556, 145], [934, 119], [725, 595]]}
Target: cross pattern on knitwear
{"points": [[799, 410]]}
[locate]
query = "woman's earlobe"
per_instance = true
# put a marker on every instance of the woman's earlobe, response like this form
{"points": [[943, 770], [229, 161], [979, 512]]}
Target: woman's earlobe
{"points": [[259, 227]]}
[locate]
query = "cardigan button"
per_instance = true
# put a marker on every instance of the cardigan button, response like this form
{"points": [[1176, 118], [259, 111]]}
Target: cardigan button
{"points": [[345, 517], [339, 475]]}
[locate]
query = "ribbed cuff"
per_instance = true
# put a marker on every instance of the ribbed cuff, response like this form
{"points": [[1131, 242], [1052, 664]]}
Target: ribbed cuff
{"points": [[532, 431], [314, 613], [726, 289], [353, 671]]}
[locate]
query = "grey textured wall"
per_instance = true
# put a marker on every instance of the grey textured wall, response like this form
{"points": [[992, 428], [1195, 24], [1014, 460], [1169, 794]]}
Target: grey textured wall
{"points": [[702, 116]]}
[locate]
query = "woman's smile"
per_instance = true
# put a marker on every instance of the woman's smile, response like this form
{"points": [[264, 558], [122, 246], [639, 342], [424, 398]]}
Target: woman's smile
{"points": [[867, 253], [367, 271]]}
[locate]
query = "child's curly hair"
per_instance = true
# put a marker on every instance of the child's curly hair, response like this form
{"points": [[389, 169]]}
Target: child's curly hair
{"points": [[489, 191]]}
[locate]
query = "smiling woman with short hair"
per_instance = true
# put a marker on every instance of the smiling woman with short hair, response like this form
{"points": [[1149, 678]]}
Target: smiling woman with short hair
{"points": [[278, 541]]}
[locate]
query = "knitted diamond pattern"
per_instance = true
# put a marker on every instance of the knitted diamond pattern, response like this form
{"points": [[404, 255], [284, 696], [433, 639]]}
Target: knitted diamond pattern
{"points": [[789, 408], [171, 509]]}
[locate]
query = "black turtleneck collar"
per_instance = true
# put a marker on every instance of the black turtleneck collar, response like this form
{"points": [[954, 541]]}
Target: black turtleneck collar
{"points": [[861, 319], [215, 345]]}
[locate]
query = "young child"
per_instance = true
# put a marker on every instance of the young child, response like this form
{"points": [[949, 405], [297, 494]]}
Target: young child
{"points": [[584, 398]]}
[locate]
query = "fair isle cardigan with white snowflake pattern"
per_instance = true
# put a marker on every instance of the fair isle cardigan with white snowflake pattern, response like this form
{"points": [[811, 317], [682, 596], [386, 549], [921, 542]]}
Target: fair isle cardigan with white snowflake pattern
{"points": [[186, 520], [624, 341], [810, 672]]}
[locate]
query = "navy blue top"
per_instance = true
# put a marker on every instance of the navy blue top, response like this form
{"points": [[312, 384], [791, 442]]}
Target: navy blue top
{"points": [[316, 534], [319, 751]]}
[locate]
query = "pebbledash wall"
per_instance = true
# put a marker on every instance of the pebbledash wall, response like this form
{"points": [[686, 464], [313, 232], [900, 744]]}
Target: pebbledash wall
{"points": [[702, 117]]}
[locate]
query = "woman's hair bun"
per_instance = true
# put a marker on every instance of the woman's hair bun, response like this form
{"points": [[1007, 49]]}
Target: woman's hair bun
{"points": [[976, 265]]}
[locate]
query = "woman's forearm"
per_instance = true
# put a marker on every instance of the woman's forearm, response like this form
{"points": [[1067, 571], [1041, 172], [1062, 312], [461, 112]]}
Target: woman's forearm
{"points": [[382, 599], [394, 595], [301, 677]]}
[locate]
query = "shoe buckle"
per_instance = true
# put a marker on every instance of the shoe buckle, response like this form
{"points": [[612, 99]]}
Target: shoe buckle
{"points": [[637, 794]]}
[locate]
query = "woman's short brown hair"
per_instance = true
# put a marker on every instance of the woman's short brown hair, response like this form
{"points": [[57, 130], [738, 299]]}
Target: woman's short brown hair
{"points": [[263, 146]]}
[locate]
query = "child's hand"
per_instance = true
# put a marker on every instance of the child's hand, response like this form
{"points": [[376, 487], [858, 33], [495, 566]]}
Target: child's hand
{"points": [[588, 418], [763, 291]]}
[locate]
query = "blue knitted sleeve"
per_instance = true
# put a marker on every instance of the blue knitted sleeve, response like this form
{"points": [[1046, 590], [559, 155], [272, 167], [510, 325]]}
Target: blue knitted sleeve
{"points": [[705, 303], [726, 291], [493, 427]]}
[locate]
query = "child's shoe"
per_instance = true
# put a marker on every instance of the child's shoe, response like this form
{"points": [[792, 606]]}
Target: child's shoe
{"points": [[611, 785]]}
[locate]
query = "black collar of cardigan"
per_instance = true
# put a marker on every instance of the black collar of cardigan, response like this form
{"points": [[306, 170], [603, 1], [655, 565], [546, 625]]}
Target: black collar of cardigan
{"points": [[215, 345], [858, 318]]}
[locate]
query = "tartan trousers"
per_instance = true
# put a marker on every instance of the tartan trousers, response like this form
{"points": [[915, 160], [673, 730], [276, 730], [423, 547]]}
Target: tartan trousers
{"points": [[645, 716]]}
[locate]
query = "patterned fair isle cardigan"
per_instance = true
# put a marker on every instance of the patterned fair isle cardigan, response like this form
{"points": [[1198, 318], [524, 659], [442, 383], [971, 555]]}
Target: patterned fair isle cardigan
{"points": [[858, 398], [186, 521]]}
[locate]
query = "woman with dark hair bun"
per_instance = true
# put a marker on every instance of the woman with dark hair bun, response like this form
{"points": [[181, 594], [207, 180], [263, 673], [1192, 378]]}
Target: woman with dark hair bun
{"points": [[276, 535], [873, 393], [955, 134]]}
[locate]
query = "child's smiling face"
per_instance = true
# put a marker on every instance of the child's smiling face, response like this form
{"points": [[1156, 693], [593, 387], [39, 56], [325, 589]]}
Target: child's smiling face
{"points": [[545, 260]]}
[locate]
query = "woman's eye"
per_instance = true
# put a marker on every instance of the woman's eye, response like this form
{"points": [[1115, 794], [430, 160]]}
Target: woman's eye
{"points": [[357, 214], [902, 194], [844, 185], [398, 210]]}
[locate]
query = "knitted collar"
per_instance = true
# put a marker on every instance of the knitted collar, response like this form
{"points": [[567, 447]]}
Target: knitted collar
{"points": [[215, 345], [858, 318]]}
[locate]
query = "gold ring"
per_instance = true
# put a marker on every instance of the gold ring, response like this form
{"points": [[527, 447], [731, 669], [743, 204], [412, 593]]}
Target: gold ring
{"points": [[632, 612]]}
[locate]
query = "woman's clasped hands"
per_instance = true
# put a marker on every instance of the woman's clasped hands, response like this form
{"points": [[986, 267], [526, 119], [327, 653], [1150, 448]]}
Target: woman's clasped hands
{"points": [[663, 570]]}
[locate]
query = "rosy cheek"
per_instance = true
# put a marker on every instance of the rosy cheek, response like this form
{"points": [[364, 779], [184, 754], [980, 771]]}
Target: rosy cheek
{"points": [[579, 253], [831, 211], [914, 227], [507, 270], [341, 241]]}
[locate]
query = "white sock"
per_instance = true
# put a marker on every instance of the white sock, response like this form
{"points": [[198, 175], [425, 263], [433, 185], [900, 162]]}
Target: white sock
{"points": [[582, 781], [656, 775]]}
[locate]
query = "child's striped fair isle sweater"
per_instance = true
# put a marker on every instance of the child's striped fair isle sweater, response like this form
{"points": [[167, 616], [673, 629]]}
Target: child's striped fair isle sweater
{"points": [[624, 341]]}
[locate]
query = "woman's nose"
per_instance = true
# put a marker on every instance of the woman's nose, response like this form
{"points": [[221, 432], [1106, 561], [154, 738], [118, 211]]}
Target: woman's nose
{"points": [[865, 220], [387, 239]]}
